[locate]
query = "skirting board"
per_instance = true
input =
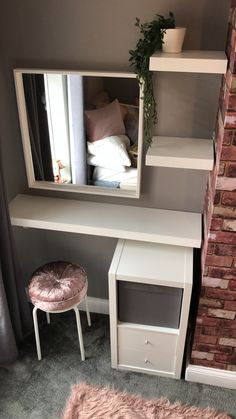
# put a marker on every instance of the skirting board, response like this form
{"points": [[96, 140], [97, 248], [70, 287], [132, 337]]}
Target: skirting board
{"points": [[96, 305], [211, 376]]}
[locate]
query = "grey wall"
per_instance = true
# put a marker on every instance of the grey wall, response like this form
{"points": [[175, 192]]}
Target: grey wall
{"points": [[96, 35]]}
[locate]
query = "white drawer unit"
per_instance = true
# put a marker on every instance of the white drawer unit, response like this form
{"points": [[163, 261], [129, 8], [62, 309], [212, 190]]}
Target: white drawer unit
{"points": [[149, 315], [146, 349]]}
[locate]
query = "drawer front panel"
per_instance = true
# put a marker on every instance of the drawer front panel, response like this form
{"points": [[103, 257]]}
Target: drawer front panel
{"points": [[146, 349]]}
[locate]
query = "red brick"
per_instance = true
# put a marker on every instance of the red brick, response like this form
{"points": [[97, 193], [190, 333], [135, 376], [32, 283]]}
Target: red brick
{"points": [[216, 224], [232, 16], [232, 37], [230, 305], [230, 101], [228, 342], [223, 314], [217, 197], [206, 363], [211, 330], [202, 292], [223, 357], [214, 260], [207, 339], [202, 311], [209, 302], [231, 170], [221, 294], [228, 134], [215, 282], [225, 184], [224, 273], [198, 330], [221, 169], [234, 137], [210, 248], [202, 355], [231, 367], [218, 332], [205, 270], [231, 81], [225, 250], [229, 225], [222, 237], [208, 321], [229, 152], [225, 212], [232, 285], [228, 324], [229, 117], [228, 333], [229, 198], [214, 349]]}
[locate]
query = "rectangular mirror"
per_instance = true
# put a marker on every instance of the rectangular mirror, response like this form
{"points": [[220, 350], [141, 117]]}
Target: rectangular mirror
{"points": [[81, 131]]}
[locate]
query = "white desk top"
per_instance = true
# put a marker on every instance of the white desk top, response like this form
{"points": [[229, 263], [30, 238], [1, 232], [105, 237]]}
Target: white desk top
{"points": [[110, 220]]}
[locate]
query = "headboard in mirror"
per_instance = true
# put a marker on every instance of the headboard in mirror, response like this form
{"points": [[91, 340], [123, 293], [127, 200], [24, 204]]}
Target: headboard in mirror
{"points": [[82, 131]]}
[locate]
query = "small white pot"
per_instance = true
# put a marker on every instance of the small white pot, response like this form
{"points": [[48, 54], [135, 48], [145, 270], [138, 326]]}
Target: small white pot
{"points": [[173, 40]]}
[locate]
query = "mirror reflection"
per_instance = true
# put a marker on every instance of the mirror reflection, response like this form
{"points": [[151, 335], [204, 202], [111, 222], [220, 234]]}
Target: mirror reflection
{"points": [[84, 129]]}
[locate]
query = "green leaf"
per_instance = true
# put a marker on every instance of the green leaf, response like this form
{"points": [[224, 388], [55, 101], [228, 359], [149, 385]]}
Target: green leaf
{"points": [[151, 39]]}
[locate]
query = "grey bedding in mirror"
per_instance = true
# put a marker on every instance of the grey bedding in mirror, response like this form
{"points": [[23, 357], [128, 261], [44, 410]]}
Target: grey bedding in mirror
{"points": [[83, 130]]}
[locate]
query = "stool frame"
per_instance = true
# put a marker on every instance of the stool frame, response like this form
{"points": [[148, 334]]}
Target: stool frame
{"points": [[78, 323]]}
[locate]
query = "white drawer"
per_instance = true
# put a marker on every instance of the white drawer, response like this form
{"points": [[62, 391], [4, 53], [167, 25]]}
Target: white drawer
{"points": [[142, 348]]}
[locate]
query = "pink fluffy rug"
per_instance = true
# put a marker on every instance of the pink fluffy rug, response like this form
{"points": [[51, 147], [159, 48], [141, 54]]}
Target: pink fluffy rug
{"points": [[89, 402]]}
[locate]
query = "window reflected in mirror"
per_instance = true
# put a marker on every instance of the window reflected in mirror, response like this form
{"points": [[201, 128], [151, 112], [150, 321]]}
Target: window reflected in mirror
{"points": [[81, 130]]}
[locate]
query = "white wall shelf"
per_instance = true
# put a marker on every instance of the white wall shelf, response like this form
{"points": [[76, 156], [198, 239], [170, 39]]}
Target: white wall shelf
{"points": [[185, 153], [108, 220], [211, 62]]}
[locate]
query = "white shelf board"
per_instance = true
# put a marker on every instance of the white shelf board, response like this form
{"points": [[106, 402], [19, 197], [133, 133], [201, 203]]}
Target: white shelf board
{"points": [[211, 62], [185, 153], [109, 220]]}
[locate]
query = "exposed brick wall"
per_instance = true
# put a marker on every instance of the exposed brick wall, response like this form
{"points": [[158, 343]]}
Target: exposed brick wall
{"points": [[214, 342]]}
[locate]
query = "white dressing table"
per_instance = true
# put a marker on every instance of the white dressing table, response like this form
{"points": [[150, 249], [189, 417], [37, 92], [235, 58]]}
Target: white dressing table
{"points": [[155, 248]]}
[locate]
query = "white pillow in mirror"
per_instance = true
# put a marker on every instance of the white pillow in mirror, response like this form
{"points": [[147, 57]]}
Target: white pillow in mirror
{"points": [[110, 152], [101, 173], [97, 161]]}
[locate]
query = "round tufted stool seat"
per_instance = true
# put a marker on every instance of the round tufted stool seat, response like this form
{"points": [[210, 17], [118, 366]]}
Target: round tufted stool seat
{"points": [[57, 287]]}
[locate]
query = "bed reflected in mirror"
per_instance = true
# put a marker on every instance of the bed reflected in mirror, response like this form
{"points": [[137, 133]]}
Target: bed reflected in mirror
{"points": [[81, 131]]}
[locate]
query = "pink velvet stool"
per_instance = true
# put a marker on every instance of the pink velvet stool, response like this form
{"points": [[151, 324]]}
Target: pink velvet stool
{"points": [[57, 287]]}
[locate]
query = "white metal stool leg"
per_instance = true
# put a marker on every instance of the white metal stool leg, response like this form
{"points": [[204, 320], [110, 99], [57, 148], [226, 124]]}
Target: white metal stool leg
{"points": [[36, 332], [81, 344], [48, 318], [87, 311]]}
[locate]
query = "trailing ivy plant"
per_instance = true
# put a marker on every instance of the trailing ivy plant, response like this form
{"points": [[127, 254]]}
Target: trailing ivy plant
{"points": [[151, 40]]}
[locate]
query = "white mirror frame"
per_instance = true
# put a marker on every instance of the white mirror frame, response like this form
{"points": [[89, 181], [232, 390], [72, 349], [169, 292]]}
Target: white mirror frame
{"points": [[88, 189]]}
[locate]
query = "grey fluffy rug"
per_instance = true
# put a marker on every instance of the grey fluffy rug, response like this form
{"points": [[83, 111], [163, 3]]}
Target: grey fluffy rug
{"points": [[90, 402]]}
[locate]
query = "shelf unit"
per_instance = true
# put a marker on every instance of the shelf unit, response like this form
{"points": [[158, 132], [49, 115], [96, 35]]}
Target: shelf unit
{"points": [[164, 271], [185, 153], [143, 336]]}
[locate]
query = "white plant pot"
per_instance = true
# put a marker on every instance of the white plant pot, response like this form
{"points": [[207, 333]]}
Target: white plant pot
{"points": [[173, 40]]}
